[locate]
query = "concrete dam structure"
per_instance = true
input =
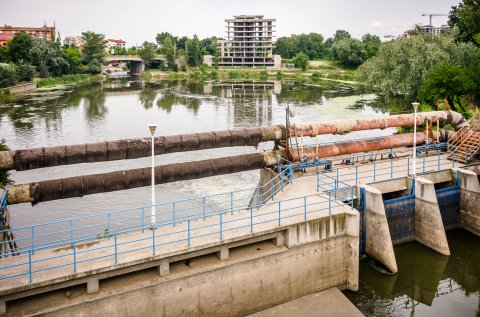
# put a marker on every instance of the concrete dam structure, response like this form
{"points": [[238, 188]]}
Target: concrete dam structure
{"points": [[299, 231]]}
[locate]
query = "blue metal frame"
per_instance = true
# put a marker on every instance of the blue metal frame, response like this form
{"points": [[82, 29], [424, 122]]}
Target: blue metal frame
{"points": [[74, 231]]}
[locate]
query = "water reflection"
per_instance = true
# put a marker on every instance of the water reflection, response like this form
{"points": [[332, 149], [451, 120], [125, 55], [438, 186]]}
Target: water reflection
{"points": [[427, 282]]}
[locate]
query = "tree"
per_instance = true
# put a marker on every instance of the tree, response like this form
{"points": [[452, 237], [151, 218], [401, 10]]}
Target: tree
{"points": [[93, 47], [464, 19], [48, 57], [148, 51], [20, 47], [160, 38], [349, 52], [310, 44], [301, 61], [447, 81], [168, 50], [73, 58], [340, 35], [401, 67], [8, 75], [372, 45], [4, 54], [24, 71], [194, 52]]}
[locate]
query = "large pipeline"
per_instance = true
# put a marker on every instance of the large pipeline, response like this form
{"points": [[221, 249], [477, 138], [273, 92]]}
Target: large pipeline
{"points": [[135, 148], [350, 125], [99, 183], [358, 146]]}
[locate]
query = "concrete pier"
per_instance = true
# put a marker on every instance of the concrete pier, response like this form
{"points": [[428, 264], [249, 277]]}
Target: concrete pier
{"points": [[429, 228], [469, 201], [378, 242]]}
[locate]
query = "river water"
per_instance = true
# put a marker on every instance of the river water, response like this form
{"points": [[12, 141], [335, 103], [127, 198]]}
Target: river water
{"points": [[123, 109]]}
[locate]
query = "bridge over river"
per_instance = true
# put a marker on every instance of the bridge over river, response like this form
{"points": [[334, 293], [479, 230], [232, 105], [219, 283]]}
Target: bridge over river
{"points": [[137, 64], [300, 230]]}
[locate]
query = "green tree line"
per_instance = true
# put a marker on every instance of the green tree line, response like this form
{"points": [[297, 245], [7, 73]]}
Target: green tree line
{"points": [[25, 57]]}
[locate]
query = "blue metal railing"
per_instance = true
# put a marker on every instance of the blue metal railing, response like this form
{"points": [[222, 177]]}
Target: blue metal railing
{"points": [[336, 185], [27, 264]]}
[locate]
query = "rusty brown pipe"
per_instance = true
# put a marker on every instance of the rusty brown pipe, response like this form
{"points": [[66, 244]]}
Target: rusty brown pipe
{"points": [[98, 183], [79, 186], [350, 125], [135, 148], [358, 146]]}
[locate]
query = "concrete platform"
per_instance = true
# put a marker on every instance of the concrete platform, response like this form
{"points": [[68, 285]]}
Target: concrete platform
{"points": [[329, 303]]}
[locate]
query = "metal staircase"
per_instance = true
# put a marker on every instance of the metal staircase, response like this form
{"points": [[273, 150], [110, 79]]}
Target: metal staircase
{"points": [[464, 146]]}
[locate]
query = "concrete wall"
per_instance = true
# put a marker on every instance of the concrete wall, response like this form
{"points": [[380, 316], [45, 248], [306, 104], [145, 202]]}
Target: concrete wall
{"points": [[378, 242], [429, 228], [470, 201], [317, 255]]}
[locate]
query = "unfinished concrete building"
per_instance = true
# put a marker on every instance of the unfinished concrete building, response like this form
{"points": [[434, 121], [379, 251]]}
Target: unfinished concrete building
{"points": [[249, 42]]}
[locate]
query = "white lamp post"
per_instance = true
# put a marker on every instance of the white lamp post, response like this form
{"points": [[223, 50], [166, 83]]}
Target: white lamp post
{"points": [[153, 127], [414, 166]]}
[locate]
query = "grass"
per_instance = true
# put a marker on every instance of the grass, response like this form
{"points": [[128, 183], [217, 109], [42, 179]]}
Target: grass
{"points": [[67, 80]]}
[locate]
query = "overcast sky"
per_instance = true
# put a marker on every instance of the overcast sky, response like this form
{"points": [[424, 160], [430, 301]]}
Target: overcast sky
{"points": [[140, 20]]}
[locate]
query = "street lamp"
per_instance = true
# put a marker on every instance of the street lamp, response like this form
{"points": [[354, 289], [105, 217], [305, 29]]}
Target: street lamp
{"points": [[152, 127], [414, 166]]}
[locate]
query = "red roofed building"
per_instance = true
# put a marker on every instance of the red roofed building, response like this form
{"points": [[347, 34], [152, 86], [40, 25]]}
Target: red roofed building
{"points": [[44, 32], [4, 38], [115, 44]]}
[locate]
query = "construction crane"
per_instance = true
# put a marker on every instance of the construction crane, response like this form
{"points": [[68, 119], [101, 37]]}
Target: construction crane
{"points": [[433, 15]]}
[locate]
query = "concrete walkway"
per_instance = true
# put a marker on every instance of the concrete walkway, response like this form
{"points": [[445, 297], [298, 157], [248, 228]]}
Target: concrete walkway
{"points": [[329, 303]]}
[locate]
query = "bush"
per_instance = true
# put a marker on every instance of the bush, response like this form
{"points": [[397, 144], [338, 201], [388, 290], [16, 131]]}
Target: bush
{"points": [[4, 176], [263, 75], [24, 72], [8, 76], [279, 75], [301, 61], [316, 76]]}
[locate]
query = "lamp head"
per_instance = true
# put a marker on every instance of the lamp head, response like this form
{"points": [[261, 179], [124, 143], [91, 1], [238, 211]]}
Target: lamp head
{"points": [[415, 105], [152, 127]]}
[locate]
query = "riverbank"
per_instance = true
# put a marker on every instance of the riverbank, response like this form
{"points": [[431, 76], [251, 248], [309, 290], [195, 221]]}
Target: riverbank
{"points": [[67, 80], [319, 71]]}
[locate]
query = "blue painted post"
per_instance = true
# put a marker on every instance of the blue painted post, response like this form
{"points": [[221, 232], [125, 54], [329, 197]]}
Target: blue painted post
{"points": [[116, 250], [336, 180], [108, 224], [71, 231], [251, 219], [221, 225], [33, 239], [273, 188], [203, 207], [30, 266], [356, 174], [374, 171], [279, 213], [74, 256], [143, 219], [438, 162], [329, 204], [391, 168], [305, 208], [352, 196], [173, 213], [453, 158], [231, 202], [153, 240], [188, 232]]}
